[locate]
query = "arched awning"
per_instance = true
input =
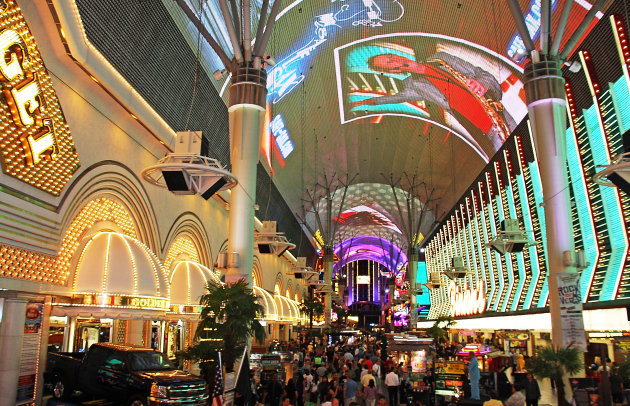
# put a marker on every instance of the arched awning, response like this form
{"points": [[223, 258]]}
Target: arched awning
{"points": [[269, 304], [188, 282], [288, 309], [116, 271]]}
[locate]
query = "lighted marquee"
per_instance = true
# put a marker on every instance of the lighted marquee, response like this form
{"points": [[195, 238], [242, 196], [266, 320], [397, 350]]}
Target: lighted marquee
{"points": [[467, 301], [35, 140], [20, 263]]}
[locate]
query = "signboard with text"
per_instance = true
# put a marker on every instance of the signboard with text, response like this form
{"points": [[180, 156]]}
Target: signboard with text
{"points": [[29, 353], [571, 311], [35, 142]]}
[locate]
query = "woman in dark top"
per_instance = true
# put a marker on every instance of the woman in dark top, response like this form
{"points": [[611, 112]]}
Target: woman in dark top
{"points": [[291, 391], [299, 386]]}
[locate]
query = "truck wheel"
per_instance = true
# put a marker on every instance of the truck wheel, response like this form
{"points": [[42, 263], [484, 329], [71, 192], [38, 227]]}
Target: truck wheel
{"points": [[137, 400], [61, 389]]}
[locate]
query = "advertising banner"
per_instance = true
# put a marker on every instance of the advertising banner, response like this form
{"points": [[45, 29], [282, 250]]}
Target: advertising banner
{"points": [[30, 353], [571, 311]]}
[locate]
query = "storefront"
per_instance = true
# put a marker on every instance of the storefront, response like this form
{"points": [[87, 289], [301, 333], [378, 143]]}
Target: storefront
{"points": [[188, 282], [120, 293]]}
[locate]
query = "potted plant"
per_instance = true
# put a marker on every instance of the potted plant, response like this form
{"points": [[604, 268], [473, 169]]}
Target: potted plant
{"points": [[554, 363], [229, 318]]}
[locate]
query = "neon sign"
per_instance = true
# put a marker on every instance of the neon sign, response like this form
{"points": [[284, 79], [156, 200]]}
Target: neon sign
{"points": [[466, 302], [532, 20], [287, 74], [281, 135], [35, 141]]}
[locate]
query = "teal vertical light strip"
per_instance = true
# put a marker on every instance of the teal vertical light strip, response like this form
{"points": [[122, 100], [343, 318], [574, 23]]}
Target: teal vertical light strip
{"points": [[621, 96], [508, 261], [421, 278], [489, 258], [499, 270], [585, 219], [612, 210], [472, 246], [480, 249], [540, 211], [533, 255], [520, 262]]}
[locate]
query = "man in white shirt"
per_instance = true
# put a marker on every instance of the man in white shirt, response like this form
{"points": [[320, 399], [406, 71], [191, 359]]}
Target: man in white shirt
{"points": [[392, 382]]}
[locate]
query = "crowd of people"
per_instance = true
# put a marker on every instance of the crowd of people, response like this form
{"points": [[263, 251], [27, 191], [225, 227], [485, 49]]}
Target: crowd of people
{"points": [[357, 374]]}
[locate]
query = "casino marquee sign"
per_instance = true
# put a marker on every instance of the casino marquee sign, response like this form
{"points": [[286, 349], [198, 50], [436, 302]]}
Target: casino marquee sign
{"points": [[35, 142]]}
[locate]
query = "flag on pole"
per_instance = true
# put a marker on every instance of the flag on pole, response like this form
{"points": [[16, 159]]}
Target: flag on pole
{"points": [[243, 384], [217, 391]]}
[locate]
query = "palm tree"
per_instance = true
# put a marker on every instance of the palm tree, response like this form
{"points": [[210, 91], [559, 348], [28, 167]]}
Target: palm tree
{"points": [[313, 307], [440, 328], [554, 363], [230, 313]]}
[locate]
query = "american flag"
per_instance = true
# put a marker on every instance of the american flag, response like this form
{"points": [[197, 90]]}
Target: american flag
{"points": [[217, 392]]}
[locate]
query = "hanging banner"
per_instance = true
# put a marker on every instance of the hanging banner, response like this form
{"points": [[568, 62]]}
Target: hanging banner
{"points": [[571, 311], [30, 353]]}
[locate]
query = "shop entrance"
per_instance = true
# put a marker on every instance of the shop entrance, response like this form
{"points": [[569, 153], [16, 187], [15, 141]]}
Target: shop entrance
{"points": [[90, 331]]}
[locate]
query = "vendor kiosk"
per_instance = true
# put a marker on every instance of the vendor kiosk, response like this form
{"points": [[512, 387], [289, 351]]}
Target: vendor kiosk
{"points": [[449, 378], [416, 356]]}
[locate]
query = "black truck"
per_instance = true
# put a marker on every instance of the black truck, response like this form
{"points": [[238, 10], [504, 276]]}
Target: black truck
{"points": [[126, 374]]}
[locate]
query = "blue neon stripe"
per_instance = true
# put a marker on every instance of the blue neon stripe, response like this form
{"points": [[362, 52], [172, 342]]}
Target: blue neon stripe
{"points": [[497, 256], [584, 216], [621, 94], [612, 211], [533, 257], [538, 197], [488, 260], [520, 262], [422, 278], [508, 258]]}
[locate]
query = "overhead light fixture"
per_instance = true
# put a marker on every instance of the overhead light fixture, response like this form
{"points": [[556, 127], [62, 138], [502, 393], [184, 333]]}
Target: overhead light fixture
{"points": [[187, 172], [434, 281], [457, 268], [519, 55], [510, 239], [270, 241], [616, 174]]}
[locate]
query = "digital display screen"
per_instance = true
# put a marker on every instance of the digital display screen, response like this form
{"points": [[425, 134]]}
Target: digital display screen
{"points": [[363, 280]]}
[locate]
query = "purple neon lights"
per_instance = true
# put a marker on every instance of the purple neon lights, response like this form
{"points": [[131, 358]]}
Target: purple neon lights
{"points": [[370, 248]]}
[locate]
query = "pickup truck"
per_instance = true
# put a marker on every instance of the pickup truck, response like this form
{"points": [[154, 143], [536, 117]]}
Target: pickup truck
{"points": [[126, 374]]}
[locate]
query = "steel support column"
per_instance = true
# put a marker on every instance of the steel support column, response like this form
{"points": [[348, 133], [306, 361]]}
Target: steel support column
{"points": [[328, 261], [546, 103], [248, 93], [412, 270]]}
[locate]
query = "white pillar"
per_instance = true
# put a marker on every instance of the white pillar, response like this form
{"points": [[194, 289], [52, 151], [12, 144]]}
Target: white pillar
{"points": [[544, 86], [248, 94], [69, 332], [11, 336], [135, 332]]}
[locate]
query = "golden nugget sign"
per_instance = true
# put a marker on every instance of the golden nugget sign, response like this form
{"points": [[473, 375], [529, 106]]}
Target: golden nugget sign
{"points": [[466, 302], [35, 141], [135, 302]]}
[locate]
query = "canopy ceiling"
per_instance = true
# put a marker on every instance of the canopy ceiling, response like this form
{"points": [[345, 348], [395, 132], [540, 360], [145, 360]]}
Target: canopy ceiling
{"points": [[379, 92]]}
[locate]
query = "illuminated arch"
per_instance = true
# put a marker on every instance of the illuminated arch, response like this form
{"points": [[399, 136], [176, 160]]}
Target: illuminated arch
{"points": [[189, 226], [257, 273], [371, 248], [182, 248]]}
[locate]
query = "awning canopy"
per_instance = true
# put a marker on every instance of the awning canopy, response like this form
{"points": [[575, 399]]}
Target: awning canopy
{"points": [[266, 300], [188, 282], [288, 309], [116, 264]]}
